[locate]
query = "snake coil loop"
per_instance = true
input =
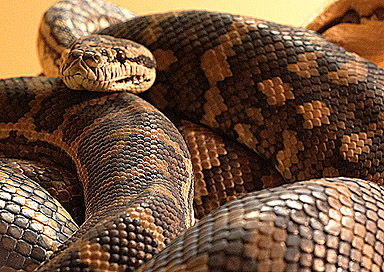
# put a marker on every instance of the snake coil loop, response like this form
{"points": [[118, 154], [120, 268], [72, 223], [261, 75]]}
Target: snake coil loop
{"points": [[276, 144]]}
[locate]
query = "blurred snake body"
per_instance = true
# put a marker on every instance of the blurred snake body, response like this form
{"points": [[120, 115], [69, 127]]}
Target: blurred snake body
{"points": [[259, 106]]}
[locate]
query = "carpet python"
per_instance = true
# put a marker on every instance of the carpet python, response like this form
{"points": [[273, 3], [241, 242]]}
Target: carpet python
{"points": [[282, 130]]}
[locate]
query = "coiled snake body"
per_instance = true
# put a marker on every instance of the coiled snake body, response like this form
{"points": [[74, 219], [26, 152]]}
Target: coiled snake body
{"points": [[259, 104]]}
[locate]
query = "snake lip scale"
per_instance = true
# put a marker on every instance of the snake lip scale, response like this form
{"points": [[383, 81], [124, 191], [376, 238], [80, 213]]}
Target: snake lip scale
{"points": [[270, 135]]}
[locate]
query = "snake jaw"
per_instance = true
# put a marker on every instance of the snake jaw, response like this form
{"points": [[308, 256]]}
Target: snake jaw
{"points": [[107, 80], [103, 63]]}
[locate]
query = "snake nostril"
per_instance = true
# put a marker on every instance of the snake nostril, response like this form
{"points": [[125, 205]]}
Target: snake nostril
{"points": [[73, 55], [89, 53], [379, 12], [92, 59], [76, 53]]}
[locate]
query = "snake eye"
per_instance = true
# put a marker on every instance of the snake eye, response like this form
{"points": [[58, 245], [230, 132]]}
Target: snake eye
{"points": [[121, 57], [104, 52], [120, 54]]}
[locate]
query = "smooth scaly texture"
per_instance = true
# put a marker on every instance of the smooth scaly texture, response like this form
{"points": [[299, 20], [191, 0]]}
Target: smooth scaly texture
{"points": [[131, 161], [32, 222], [308, 108], [319, 225]]}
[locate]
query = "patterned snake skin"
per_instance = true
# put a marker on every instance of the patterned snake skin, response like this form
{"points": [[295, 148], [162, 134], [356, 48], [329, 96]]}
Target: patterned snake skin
{"points": [[259, 104]]}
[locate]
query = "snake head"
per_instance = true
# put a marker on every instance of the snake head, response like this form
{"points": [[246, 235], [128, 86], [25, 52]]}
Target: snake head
{"points": [[104, 63]]}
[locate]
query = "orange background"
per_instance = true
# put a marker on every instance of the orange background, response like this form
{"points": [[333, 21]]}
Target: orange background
{"points": [[19, 20]]}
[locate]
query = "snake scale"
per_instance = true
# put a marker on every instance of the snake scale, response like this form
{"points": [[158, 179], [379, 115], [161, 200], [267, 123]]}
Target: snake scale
{"points": [[280, 123]]}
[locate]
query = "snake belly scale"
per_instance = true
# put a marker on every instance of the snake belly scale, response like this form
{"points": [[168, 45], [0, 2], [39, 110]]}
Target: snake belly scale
{"points": [[248, 96]]}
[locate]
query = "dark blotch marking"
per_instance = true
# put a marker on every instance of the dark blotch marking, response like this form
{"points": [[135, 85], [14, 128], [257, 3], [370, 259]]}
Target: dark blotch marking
{"points": [[351, 16], [143, 60], [14, 99]]}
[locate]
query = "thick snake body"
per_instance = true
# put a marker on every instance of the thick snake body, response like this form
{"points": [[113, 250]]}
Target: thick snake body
{"points": [[152, 183], [259, 104]]}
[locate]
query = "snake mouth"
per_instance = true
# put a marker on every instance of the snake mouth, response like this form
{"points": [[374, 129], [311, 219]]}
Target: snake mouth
{"points": [[133, 83], [136, 80]]}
